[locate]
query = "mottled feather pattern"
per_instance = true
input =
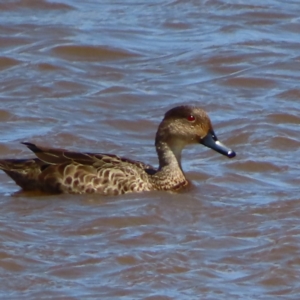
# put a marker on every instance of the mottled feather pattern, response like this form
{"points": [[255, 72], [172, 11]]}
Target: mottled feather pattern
{"points": [[62, 171], [112, 176], [23, 171]]}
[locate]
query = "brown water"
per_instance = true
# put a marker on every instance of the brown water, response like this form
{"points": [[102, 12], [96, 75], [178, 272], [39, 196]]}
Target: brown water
{"points": [[98, 76]]}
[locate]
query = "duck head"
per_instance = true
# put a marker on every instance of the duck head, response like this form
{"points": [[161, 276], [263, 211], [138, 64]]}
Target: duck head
{"points": [[185, 125]]}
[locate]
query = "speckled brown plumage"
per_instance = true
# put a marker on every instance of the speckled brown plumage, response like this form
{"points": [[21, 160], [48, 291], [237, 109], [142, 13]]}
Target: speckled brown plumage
{"points": [[62, 171]]}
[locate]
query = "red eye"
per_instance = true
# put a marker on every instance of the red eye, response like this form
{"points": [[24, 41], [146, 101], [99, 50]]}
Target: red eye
{"points": [[191, 118]]}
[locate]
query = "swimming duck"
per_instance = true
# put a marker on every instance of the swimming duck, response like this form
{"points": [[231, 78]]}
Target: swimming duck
{"points": [[62, 171]]}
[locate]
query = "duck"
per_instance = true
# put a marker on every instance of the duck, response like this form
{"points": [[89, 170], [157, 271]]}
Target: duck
{"points": [[57, 171]]}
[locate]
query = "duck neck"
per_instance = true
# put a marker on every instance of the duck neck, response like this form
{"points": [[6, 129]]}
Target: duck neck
{"points": [[169, 155], [169, 175]]}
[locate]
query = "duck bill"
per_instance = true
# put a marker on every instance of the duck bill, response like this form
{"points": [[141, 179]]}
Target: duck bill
{"points": [[211, 141]]}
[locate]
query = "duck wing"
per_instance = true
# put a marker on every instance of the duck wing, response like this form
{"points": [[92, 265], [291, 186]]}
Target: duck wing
{"points": [[76, 172], [98, 160]]}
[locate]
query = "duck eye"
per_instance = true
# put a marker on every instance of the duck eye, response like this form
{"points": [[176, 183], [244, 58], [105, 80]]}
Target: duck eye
{"points": [[191, 118]]}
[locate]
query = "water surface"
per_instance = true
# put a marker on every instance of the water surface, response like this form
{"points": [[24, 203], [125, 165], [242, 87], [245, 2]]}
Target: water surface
{"points": [[98, 76]]}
